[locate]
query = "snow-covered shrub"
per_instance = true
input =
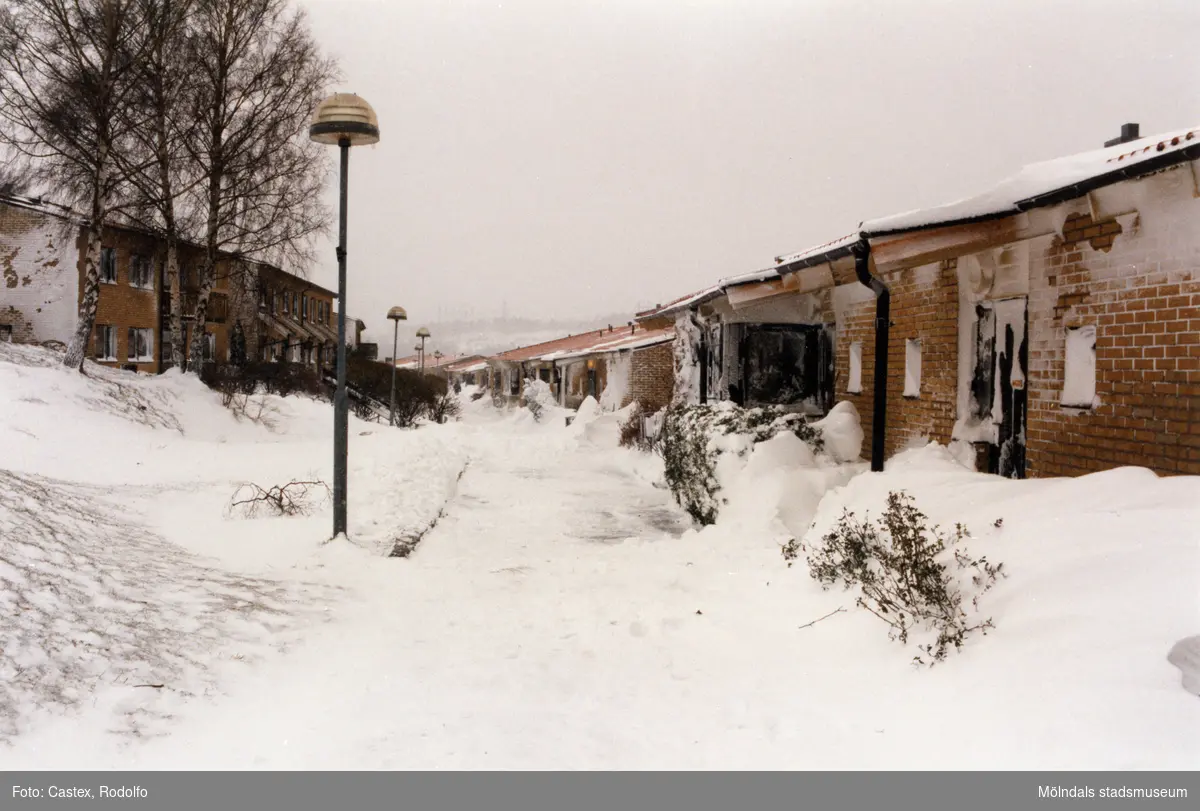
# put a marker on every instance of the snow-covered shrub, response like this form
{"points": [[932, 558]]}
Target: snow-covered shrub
{"points": [[445, 408], [897, 565], [538, 398], [695, 437], [294, 498], [631, 428]]}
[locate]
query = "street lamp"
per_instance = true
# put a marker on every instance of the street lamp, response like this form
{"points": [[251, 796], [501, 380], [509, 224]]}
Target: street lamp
{"points": [[396, 314], [437, 358], [344, 120], [423, 333]]}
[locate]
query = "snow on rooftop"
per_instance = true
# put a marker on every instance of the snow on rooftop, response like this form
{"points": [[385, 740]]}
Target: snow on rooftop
{"points": [[615, 342], [1038, 179], [818, 250]]}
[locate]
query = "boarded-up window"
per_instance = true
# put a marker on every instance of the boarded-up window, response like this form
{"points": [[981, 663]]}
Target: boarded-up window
{"points": [[854, 381], [1079, 380], [912, 367]]}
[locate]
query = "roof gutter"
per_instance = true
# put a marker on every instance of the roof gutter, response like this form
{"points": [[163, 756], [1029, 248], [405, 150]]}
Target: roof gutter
{"points": [[883, 312]]}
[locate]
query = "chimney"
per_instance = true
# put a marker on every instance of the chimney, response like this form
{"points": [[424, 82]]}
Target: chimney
{"points": [[1129, 132]]}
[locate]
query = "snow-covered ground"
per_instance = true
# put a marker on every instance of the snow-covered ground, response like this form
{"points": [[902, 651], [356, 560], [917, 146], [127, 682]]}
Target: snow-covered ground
{"points": [[563, 613]]}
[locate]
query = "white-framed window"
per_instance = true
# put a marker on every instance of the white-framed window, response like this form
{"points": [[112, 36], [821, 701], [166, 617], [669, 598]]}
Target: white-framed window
{"points": [[106, 342], [141, 272], [1079, 368], [854, 379], [294, 354], [108, 265], [141, 345], [912, 367], [296, 306], [210, 346], [6, 332]]}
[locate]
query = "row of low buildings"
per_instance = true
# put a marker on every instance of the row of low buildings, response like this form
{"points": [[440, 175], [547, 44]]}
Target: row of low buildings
{"points": [[1050, 325], [614, 365], [281, 316]]}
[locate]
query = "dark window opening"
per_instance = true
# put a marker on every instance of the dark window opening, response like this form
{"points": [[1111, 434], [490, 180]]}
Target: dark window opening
{"points": [[108, 266], [787, 364], [141, 273]]}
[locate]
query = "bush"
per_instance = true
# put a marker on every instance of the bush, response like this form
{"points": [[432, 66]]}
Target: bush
{"points": [[690, 451], [416, 393], [894, 563], [631, 429], [283, 379], [294, 498], [445, 407], [538, 398]]}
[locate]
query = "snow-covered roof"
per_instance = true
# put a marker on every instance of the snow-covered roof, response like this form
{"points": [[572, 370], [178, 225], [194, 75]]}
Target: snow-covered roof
{"points": [[1052, 181], [822, 252], [615, 342], [709, 293], [593, 342], [466, 363]]}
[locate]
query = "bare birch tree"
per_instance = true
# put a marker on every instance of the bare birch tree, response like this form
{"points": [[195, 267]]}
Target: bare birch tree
{"points": [[159, 175], [65, 76], [259, 77]]}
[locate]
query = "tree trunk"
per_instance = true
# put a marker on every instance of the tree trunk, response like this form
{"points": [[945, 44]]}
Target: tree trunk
{"points": [[175, 324], [89, 301]]}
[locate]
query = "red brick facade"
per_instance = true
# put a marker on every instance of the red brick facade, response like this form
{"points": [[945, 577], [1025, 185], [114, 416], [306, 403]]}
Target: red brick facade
{"points": [[1141, 291], [924, 307], [651, 377]]}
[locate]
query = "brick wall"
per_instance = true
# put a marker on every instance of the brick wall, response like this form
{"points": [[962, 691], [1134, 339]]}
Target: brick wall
{"points": [[856, 325], [924, 306], [123, 306], [651, 377], [1137, 280]]}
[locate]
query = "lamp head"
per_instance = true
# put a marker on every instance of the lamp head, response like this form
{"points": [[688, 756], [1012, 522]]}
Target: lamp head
{"points": [[344, 117]]}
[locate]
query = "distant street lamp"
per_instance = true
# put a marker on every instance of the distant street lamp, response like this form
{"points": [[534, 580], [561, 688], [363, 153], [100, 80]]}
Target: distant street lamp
{"points": [[423, 333], [437, 358], [396, 314], [344, 120]]}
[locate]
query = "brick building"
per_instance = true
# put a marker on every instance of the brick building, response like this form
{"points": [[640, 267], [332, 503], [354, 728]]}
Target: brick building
{"points": [[614, 365], [1051, 325], [294, 319], [42, 251]]}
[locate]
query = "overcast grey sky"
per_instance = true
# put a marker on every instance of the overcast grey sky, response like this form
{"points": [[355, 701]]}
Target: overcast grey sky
{"points": [[572, 159]]}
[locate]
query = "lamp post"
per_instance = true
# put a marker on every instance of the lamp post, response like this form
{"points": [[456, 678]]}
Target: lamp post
{"points": [[437, 358], [396, 314], [423, 333], [344, 120]]}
